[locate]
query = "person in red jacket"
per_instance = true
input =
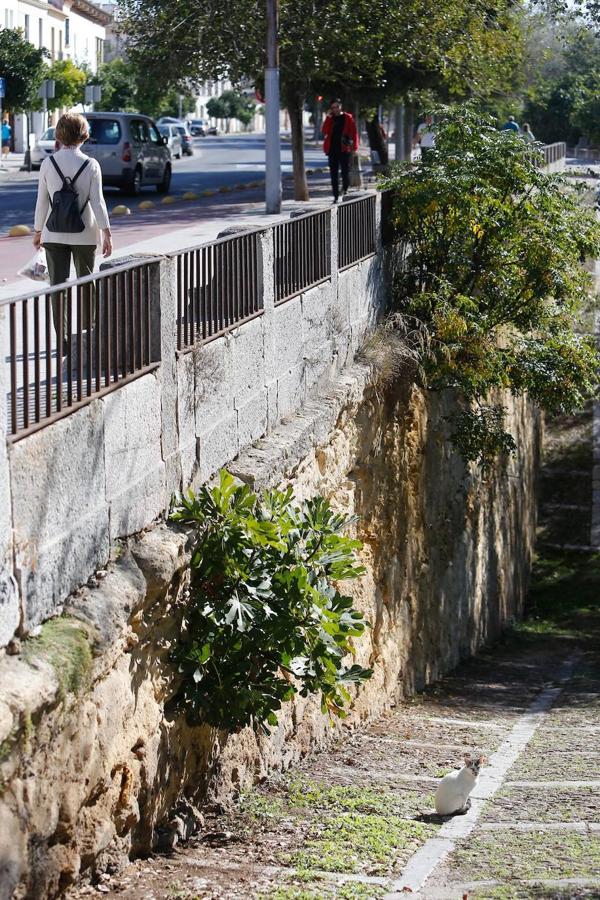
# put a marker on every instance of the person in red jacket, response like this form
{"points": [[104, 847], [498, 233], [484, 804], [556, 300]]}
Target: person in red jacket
{"points": [[341, 141]]}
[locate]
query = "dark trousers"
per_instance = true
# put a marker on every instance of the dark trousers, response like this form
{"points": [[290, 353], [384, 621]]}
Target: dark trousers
{"points": [[58, 258], [339, 161]]}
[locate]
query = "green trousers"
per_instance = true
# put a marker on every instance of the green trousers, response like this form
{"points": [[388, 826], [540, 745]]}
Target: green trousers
{"points": [[58, 258]]}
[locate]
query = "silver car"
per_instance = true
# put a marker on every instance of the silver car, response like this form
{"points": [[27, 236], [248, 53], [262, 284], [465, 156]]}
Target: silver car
{"points": [[173, 139], [44, 146], [131, 151]]}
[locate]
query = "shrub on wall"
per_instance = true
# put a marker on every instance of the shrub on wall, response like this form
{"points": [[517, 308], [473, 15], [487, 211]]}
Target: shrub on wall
{"points": [[488, 264], [265, 618]]}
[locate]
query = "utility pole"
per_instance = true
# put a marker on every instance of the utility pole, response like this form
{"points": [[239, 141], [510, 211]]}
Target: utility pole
{"points": [[273, 141], [399, 133]]}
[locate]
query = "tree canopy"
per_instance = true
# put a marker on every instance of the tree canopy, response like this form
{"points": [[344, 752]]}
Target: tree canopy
{"points": [[488, 265], [22, 65], [366, 50]]}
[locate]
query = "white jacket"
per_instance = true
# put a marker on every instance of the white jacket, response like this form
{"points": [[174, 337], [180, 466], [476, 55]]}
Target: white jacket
{"points": [[88, 185]]}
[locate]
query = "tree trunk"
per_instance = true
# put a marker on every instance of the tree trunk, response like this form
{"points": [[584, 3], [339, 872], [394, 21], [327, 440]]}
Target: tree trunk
{"points": [[295, 107], [376, 140]]}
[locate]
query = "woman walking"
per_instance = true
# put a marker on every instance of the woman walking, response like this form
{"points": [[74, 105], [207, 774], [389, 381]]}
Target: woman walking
{"points": [[68, 166]]}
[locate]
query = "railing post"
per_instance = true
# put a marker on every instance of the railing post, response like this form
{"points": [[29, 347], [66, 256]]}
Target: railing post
{"points": [[163, 348], [267, 255], [10, 607]]}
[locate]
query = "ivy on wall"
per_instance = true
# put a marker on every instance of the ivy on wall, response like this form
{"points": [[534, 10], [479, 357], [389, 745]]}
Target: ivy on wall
{"points": [[266, 619]]}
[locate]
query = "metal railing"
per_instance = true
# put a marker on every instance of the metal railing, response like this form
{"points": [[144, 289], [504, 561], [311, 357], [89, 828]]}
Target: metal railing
{"points": [[219, 286], [302, 249], [356, 231], [554, 152], [74, 342]]}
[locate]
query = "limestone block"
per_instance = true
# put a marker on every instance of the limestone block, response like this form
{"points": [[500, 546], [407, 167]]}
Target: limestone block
{"points": [[218, 447], [319, 365], [213, 388], [248, 362], [139, 505], [54, 569], [59, 509], [317, 309], [283, 340], [291, 391], [252, 420], [186, 404], [136, 487], [188, 463], [352, 291], [272, 405], [9, 594]]}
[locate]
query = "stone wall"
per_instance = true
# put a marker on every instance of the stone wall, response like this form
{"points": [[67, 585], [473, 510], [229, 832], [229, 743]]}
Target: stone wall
{"points": [[96, 762], [108, 470]]}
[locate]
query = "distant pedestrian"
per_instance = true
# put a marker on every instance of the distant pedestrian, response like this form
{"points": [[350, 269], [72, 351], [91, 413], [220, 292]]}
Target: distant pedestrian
{"points": [[84, 174], [6, 137], [425, 136], [511, 125], [527, 134], [341, 141]]}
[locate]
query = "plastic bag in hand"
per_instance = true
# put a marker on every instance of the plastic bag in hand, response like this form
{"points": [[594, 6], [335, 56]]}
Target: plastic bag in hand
{"points": [[36, 268]]}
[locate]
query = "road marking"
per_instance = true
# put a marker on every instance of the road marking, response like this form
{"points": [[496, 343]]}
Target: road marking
{"points": [[431, 854]]}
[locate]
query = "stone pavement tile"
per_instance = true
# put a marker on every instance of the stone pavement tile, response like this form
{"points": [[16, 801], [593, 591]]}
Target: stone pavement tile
{"points": [[512, 856], [446, 732], [546, 763], [543, 804], [550, 739]]}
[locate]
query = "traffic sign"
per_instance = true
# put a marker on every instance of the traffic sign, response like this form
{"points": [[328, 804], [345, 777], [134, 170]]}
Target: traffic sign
{"points": [[2, 87]]}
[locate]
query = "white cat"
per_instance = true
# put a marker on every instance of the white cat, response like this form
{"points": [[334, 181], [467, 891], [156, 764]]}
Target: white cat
{"points": [[452, 795]]}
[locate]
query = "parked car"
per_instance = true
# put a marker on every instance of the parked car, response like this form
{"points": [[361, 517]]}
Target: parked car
{"points": [[187, 141], [173, 139], [212, 129], [197, 127], [131, 151], [168, 120], [44, 146]]}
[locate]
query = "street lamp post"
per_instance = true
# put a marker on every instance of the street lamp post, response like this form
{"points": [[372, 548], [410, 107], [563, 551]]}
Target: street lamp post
{"points": [[272, 143], [46, 92]]}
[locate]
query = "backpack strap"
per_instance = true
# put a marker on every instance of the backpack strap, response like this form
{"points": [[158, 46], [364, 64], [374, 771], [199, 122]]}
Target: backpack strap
{"points": [[78, 172], [56, 166]]}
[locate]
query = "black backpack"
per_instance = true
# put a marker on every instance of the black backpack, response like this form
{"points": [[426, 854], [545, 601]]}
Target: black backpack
{"points": [[65, 215]]}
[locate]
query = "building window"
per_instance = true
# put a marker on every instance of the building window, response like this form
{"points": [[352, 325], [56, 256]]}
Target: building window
{"points": [[40, 33], [60, 44], [67, 32], [52, 44], [99, 51], [26, 28]]}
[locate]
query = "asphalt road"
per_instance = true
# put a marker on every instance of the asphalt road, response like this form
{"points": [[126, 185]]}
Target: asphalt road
{"points": [[217, 161]]}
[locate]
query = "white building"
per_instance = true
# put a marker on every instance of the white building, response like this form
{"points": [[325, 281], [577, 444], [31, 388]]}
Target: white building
{"points": [[68, 29]]}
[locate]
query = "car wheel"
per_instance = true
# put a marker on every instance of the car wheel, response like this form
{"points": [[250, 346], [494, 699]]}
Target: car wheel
{"points": [[178, 156], [165, 184], [133, 187]]}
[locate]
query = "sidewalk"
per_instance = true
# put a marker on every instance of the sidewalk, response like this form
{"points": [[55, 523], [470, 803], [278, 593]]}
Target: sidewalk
{"points": [[12, 164], [167, 228]]}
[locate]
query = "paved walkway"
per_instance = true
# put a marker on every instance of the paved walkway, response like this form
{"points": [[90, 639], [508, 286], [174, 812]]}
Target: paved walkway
{"points": [[359, 822]]}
